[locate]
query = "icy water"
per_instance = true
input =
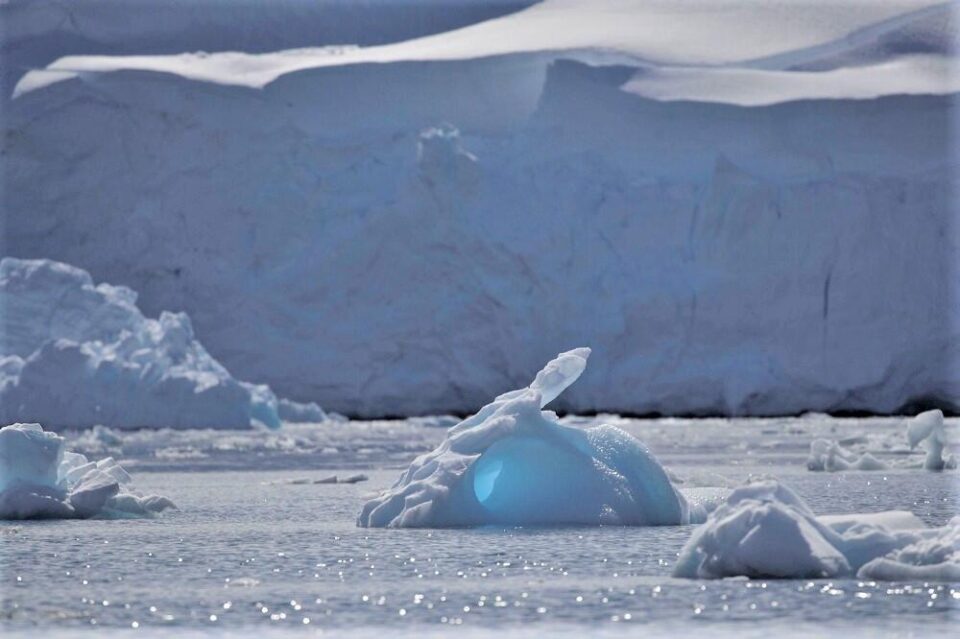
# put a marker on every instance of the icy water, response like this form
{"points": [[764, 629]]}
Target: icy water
{"points": [[250, 553]]}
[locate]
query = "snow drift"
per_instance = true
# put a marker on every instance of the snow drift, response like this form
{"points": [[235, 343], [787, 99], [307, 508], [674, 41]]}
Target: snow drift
{"points": [[766, 530], [747, 210], [514, 464], [39, 480], [74, 354]]}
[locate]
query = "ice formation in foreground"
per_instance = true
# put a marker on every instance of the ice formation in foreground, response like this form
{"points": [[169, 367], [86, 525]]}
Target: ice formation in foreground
{"points": [[927, 428], [40, 480], [74, 354], [766, 530], [514, 464]]}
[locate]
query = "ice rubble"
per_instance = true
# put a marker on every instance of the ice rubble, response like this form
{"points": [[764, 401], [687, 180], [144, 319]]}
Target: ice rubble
{"points": [[514, 464], [75, 354], [40, 480], [927, 427], [599, 180], [766, 530]]}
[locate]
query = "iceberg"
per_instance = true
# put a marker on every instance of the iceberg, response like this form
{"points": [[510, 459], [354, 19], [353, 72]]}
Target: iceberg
{"points": [[40, 480], [764, 529], [514, 464], [75, 354], [928, 427]]}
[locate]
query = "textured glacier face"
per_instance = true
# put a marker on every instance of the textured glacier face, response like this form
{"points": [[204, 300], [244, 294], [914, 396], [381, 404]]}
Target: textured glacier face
{"points": [[766, 530], [74, 354], [721, 259], [514, 464], [40, 480]]}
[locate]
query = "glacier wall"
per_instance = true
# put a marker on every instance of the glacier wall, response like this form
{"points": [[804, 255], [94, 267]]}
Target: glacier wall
{"points": [[416, 237]]}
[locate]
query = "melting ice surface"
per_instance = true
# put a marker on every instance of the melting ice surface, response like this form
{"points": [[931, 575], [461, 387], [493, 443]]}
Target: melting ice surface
{"points": [[39, 480], [514, 464], [766, 530]]}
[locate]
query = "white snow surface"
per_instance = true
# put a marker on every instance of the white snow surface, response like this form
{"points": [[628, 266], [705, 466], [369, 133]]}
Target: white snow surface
{"points": [[703, 33], [748, 208], [514, 464], [75, 354], [766, 530], [40, 480]]}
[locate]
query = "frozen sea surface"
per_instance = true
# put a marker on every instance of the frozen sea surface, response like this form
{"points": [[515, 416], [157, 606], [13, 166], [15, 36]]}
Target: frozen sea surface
{"points": [[251, 553]]}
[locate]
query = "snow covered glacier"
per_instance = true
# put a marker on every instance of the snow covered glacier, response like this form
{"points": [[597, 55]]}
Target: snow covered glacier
{"points": [[73, 354], [514, 464], [753, 215]]}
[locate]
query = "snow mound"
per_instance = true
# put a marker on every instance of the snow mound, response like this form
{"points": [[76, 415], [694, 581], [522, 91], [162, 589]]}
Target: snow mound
{"points": [[39, 480], [766, 530], [76, 354], [832, 456], [514, 464]]}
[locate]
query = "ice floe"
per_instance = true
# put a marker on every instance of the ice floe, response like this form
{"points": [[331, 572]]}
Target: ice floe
{"points": [[514, 464], [40, 480], [927, 428], [355, 478], [75, 354], [764, 529]]}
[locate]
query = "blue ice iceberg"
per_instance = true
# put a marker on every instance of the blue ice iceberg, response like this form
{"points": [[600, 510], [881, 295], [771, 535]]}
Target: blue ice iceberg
{"points": [[515, 464]]}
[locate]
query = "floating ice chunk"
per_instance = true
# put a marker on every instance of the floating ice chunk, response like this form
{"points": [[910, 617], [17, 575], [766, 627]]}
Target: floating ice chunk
{"points": [[513, 464], [933, 557], [38, 480], [928, 427], [766, 530], [831, 456]]}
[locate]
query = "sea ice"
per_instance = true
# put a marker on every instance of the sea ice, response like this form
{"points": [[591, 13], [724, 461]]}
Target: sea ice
{"points": [[766, 530], [40, 480], [75, 354], [514, 464]]}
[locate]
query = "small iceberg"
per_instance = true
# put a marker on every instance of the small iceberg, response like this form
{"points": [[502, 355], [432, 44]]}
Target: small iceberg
{"points": [[766, 530], [515, 464], [927, 428], [40, 480]]}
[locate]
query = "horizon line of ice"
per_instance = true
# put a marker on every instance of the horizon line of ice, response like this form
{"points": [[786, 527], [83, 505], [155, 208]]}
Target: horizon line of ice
{"points": [[514, 464]]}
